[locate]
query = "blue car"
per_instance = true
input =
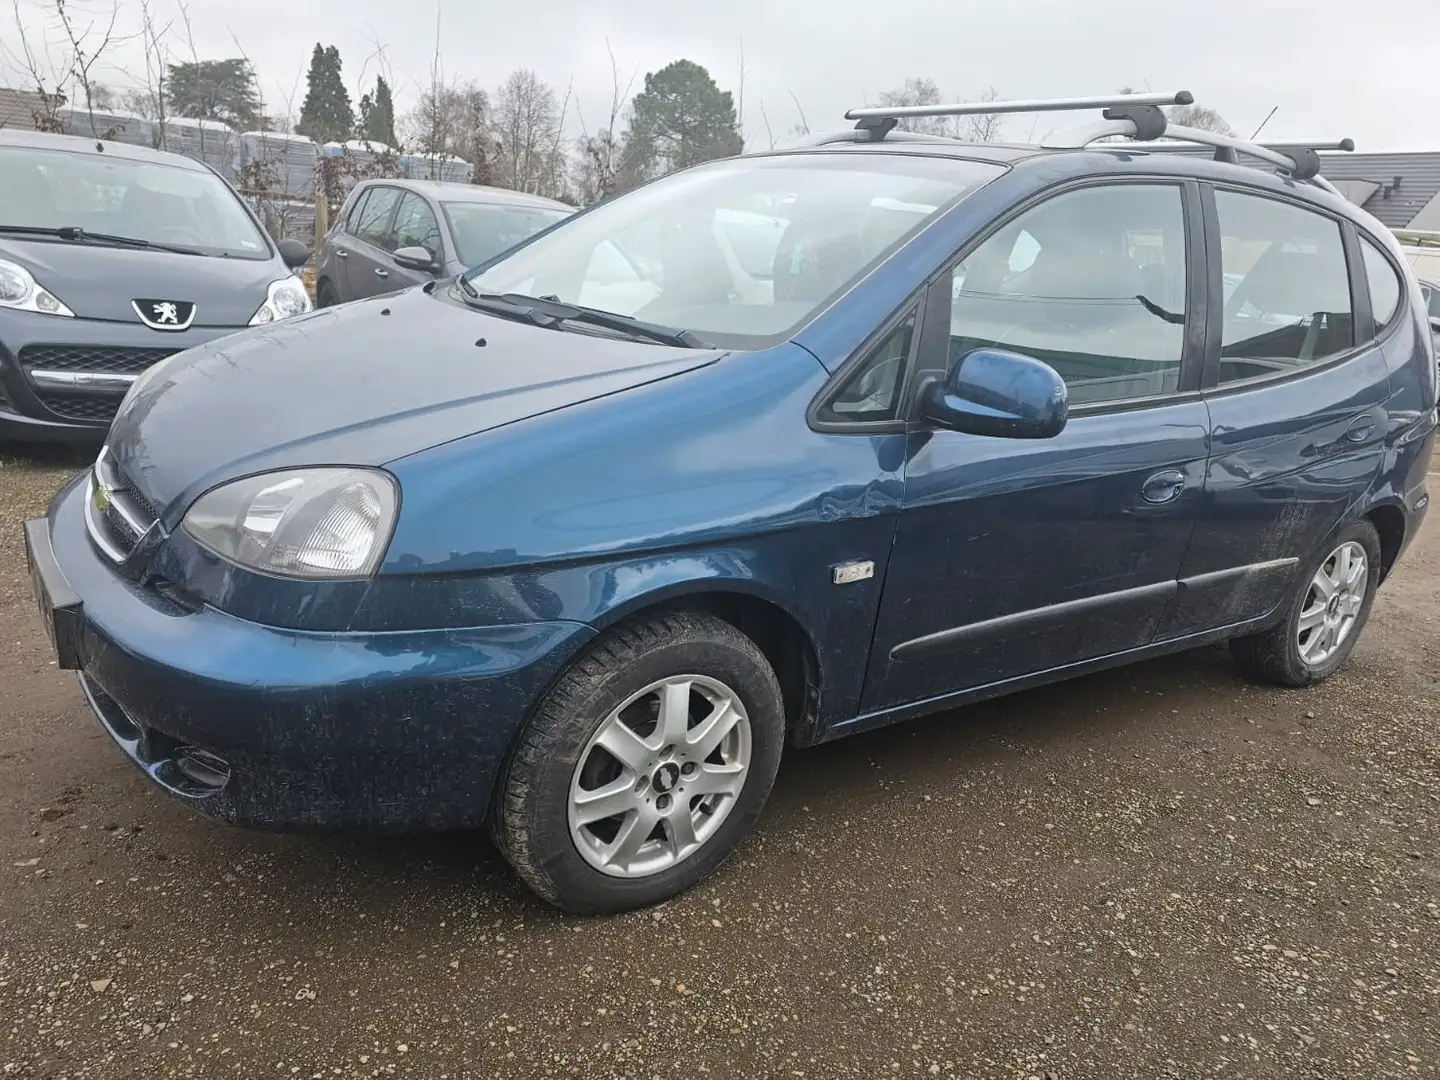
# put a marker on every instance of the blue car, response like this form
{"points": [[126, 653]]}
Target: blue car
{"points": [[576, 545]]}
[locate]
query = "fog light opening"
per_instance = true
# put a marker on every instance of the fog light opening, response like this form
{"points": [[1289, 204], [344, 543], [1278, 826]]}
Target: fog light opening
{"points": [[202, 767]]}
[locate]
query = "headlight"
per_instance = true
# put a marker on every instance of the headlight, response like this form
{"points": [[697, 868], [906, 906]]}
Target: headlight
{"points": [[285, 298], [19, 291], [301, 523]]}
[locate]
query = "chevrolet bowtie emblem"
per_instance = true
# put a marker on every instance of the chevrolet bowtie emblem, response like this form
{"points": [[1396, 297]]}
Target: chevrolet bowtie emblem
{"points": [[102, 498]]}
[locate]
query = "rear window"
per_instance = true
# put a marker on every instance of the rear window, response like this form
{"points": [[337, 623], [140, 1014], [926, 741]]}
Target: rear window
{"points": [[142, 200]]}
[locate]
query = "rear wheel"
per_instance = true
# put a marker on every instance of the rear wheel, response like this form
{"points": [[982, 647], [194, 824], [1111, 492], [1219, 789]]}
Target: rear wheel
{"points": [[1326, 614], [644, 767]]}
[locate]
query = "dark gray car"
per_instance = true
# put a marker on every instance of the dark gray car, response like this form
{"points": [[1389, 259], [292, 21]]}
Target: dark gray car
{"points": [[391, 234], [113, 257]]}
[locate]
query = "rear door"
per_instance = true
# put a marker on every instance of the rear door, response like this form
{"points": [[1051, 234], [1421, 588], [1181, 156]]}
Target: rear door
{"points": [[368, 266], [1297, 384]]}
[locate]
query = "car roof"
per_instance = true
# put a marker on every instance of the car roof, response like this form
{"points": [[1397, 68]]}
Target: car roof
{"points": [[76, 144], [1098, 158], [450, 191]]}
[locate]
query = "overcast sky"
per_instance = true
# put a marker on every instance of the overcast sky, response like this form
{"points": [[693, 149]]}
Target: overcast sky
{"points": [[1334, 69]]}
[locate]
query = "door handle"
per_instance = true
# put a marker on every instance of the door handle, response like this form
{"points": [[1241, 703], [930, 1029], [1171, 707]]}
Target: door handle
{"points": [[1360, 429], [1163, 487], [380, 271], [341, 253]]}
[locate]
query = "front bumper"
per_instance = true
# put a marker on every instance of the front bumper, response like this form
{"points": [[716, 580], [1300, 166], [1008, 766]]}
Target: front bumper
{"points": [[66, 409], [288, 729]]}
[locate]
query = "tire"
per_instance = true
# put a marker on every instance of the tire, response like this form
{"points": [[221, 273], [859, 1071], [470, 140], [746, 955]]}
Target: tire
{"points": [[325, 295], [1276, 655], [613, 694]]}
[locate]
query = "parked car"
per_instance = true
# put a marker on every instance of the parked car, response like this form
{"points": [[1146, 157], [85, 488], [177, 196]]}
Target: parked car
{"points": [[1422, 252], [393, 234], [113, 257], [477, 553]]}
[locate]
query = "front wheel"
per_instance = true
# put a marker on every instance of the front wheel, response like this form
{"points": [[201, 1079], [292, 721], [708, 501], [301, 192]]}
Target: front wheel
{"points": [[1328, 610], [644, 766]]}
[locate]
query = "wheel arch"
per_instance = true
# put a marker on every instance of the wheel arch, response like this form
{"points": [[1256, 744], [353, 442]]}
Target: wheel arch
{"points": [[778, 631], [1388, 519]]}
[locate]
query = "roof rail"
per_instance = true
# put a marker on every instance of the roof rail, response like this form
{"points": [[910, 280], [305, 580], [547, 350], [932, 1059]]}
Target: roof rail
{"points": [[879, 120]]}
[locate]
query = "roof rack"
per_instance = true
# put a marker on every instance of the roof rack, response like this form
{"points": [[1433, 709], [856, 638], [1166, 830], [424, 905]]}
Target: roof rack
{"points": [[1132, 116], [880, 120]]}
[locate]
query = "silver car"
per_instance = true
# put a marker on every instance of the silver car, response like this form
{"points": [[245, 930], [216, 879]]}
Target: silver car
{"points": [[391, 234]]}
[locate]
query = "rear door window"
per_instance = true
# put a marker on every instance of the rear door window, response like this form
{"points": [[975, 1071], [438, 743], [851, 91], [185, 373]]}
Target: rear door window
{"points": [[1385, 287], [1290, 305]]}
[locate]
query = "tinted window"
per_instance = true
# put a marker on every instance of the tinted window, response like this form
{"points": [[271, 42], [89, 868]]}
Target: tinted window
{"points": [[483, 230], [1384, 284], [872, 391], [372, 223], [1091, 282], [415, 226], [1290, 305], [745, 250], [144, 200]]}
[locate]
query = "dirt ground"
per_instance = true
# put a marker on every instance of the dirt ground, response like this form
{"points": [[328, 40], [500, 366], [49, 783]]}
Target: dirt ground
{"points": [[1159, 872]]}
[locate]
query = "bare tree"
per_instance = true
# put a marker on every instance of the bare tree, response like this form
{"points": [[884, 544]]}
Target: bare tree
{"points": [[1199, 116], [983, 127], [598, 155], [86, 43], [63, 74], [526, 124]]}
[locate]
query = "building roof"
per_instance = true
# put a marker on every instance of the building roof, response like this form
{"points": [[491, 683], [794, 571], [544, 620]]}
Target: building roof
{"points": [[1401, 190], [74, 144], [18, 108]]}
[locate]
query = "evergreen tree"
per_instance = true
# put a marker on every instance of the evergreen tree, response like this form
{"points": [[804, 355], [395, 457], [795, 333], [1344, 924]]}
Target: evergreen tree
{"points": [[326, 115], [681, 118], [214, 90], [377, 115]]}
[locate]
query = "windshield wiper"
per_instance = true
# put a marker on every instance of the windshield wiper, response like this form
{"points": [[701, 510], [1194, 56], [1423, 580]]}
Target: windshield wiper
{"points": [[76, 233], [544, 311]]}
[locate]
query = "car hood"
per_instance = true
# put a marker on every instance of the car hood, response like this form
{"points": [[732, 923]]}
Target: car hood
{"points": [[98, 282], [360, 384]]}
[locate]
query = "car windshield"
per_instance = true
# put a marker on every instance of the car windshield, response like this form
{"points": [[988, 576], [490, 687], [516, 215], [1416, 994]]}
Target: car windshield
{"points": [[740, 252], [141, 200], [483, 230]]}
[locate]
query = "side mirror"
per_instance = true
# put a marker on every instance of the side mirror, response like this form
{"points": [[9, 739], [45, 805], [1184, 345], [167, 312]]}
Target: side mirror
{"points": [[1435, 323], [416, 258], [293, 253], [1000, 394]]}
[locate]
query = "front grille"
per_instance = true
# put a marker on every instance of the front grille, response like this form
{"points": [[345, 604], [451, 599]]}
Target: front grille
{"points": [[119, 520], [100, 358], [98, 410]]}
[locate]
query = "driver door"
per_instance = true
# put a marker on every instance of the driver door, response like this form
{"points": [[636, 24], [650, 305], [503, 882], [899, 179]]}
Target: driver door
{"points": [[1013, 557]]}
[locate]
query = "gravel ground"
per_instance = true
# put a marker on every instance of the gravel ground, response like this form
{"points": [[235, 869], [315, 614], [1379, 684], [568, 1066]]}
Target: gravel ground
{"points": [[1160, 872]]}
